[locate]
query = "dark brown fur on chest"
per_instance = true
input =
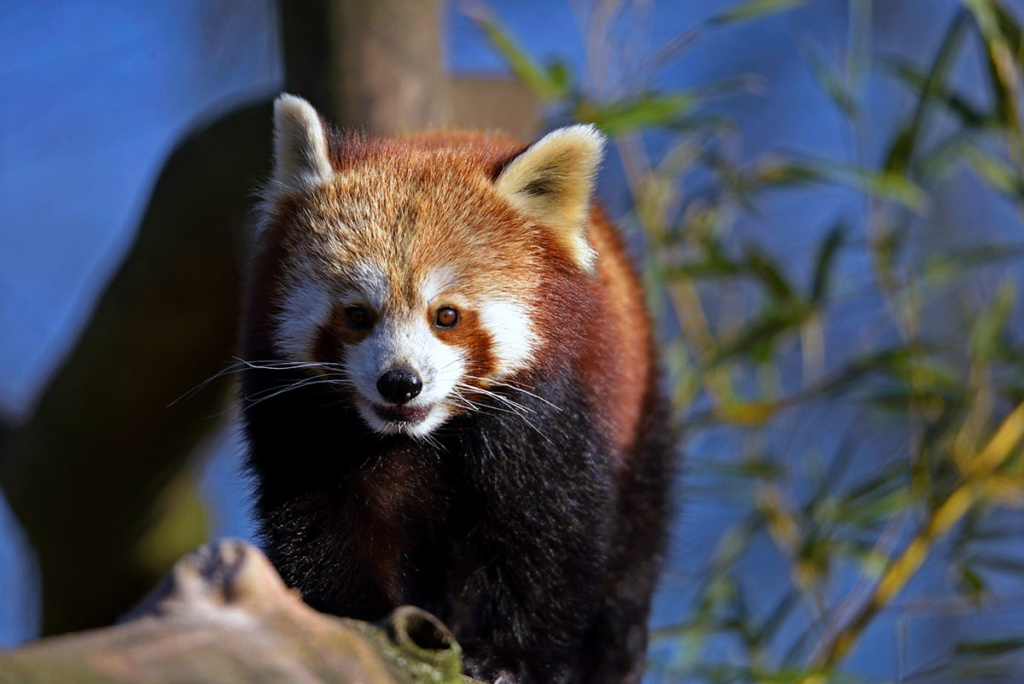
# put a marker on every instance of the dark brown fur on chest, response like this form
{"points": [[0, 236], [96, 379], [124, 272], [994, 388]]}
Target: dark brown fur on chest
{"points": [[396, 503]]}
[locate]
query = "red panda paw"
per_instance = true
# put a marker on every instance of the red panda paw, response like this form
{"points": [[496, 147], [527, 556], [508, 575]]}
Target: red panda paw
{"points": [[486, 667]]}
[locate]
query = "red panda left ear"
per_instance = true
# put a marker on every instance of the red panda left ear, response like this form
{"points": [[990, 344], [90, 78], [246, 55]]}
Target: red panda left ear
{"points": [[553, 179], [301, 159]]}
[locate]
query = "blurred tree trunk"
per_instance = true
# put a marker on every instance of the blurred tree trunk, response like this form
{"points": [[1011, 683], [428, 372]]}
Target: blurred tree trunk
{"points": [[95, 476], [386, 67]]}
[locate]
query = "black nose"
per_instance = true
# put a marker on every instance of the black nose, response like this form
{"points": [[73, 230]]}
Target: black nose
{"points": [[399, 385]]}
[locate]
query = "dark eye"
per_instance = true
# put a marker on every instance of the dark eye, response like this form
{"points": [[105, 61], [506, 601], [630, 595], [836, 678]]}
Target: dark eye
{"points": [[447, 317], [358, 317]]}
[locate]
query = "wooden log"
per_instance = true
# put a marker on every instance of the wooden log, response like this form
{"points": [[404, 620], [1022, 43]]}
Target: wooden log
{"points": [[224, 615]]}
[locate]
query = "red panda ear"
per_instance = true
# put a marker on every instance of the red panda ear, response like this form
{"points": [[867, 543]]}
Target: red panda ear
{"points": [[553, 179], [300, 146]]}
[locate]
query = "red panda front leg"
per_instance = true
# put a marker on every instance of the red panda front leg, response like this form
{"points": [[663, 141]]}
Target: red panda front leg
{"points": [[529, 576], [526, 609]]}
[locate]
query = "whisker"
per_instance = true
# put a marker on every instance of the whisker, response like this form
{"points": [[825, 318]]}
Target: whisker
{"points": [[188, 394], [279, 364], [500, 409], [491, 393], [241, 365], [272, 392], [516, 388], [431, 440]]}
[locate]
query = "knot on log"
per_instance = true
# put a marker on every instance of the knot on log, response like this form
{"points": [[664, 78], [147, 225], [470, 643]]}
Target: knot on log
{"points": [[422, 636], [228, 573]]}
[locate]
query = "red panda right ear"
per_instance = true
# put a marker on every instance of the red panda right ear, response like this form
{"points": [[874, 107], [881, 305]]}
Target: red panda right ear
{"points": [[552, 181], [300, 147]]}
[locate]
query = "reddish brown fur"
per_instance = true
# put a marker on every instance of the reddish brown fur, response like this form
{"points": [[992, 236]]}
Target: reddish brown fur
{"points": [[441, 210], [582, 584]]}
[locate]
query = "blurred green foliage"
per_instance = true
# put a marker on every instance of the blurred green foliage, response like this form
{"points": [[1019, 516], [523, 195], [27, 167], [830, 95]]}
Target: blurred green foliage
{"points": [[927, 470]]}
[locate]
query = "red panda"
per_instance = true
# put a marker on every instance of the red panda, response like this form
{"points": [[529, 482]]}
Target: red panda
{"points": [[451, 395]]}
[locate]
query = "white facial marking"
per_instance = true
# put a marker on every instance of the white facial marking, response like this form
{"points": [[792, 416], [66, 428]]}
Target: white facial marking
{"points": [[509, 326], [304, 308], [406, 341], [407, 344], [436, 282], [371, 283]]}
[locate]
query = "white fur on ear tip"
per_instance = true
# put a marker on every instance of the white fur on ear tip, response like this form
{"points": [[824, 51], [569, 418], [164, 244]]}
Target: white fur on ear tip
{"points": [[287, 100], [586, 134], [301, 158], [585, 141]]}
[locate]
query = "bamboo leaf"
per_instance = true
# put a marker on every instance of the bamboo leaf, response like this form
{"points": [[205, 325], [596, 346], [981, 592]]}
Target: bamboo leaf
{"points": [[823, 262], [769, 273], [942, 268], [1001, 63], [995, 171], [988, 330], [876, 501], [750, 469], [752, 9], [550, 85], [888, 184], [746, 413], [761, 333], [1003, 564], [902, 150], [972, 583], [649, 111], [771, 624], [921, 82], [829, 79], [990, 647]]}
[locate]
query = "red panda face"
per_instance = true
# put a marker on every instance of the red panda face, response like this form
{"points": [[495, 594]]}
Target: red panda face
{"points": [[417, 310], [406, 273]]}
